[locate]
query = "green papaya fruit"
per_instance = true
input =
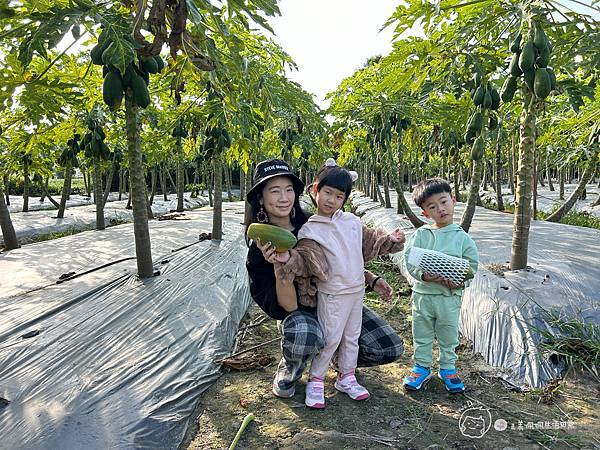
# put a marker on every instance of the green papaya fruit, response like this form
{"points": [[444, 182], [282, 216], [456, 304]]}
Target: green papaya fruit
{"points": [[542, 84], [469, 137], [476, 122], [487, 99], [543, 58], [479, 96], [105, 59], [141, 96], [539, 37], [529, 77], [477, 79], [508, 89], [515, 45], [128, 76], [513, 67], [493, 122], [552, 76], [145, 76], [495, 99], [98, 50], [112, 90], [100, 133], [105, 70], [159, 63], [478, 149], [149, 65], [96, 146], [527, 57]]}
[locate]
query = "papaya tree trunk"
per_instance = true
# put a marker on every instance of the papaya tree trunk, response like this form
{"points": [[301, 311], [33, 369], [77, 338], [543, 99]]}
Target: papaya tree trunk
{"points": [[109, 178], [379, 194], [522, 214], [576, 194], [85, 182], [148, 205], [209, 183], [467, 217], [179, 175], [398, 180], [65, 191], [386, 191], [7, 189], [242, 184], [46, 194], [228, 182], [25, 185], [534, 185], [8, 231], [44, 189], [549, 174], [143, 249], [120, 183], [153, 184], [171, 180], [163, 183], [499, 199], [217, 225], [100, 225]]}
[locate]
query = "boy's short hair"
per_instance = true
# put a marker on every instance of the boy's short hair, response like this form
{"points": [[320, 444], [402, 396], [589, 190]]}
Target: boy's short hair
{"points": [[429, 187]]}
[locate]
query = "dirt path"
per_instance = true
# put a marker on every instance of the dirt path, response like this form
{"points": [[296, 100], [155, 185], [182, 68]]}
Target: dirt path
{"points": [[565, 415]]}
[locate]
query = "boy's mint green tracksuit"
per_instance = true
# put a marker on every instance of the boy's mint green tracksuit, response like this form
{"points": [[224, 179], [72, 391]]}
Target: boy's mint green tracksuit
{"points": [[436, 308]]}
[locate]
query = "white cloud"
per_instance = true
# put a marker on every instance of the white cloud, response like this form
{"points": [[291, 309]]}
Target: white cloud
{"points": [[330, 39]]}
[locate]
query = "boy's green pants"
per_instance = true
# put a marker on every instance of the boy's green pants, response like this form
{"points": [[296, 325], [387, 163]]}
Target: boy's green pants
{"points": [[435, 316]]}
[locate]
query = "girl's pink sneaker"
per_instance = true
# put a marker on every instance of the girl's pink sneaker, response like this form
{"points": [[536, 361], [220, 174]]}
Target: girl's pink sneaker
{"points": [[315, 394], [347, 383]]}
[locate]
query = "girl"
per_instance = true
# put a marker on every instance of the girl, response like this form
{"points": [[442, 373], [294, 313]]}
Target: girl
{"points": [[274, 199], [347, 244]]}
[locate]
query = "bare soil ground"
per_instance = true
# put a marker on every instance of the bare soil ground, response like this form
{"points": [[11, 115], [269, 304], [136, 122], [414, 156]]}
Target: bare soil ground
{"points": [[563, 415]]}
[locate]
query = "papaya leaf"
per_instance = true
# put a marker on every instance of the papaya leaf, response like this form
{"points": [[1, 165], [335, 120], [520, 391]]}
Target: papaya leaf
{"points": [[120, 54], [46, 31]]}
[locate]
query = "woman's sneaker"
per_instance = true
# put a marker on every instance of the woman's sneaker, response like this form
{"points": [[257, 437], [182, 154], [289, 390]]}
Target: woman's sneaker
{"points": [[451, 380], [347, 383], [417, 377], [315, 394], [283, 393]]}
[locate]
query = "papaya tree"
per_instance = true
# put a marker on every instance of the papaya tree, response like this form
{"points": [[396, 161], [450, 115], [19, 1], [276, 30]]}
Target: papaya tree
{"points": [[8, 231], [531, 35]]}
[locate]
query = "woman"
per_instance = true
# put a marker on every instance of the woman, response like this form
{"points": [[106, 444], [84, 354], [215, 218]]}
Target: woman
{"points": [[274, 199]]}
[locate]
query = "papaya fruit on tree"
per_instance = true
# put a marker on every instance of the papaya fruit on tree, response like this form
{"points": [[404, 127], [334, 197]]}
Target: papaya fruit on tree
{"points": [[112, 90], [508, 89], [141, 95], [529, 77], [149, 65], [513, 67], [527, 57], [542, 84], [478, 149]]}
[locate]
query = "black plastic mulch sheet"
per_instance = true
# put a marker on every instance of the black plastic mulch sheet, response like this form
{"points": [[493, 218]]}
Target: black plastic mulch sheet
{"points": [[509, 317], [120, 365]]}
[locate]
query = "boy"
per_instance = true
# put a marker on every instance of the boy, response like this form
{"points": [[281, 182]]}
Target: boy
{"points": [[436, 300]]}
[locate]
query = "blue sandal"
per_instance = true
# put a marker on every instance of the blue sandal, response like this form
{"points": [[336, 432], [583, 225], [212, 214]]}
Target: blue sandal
{"points": [[451, 380], [417, 377]]}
